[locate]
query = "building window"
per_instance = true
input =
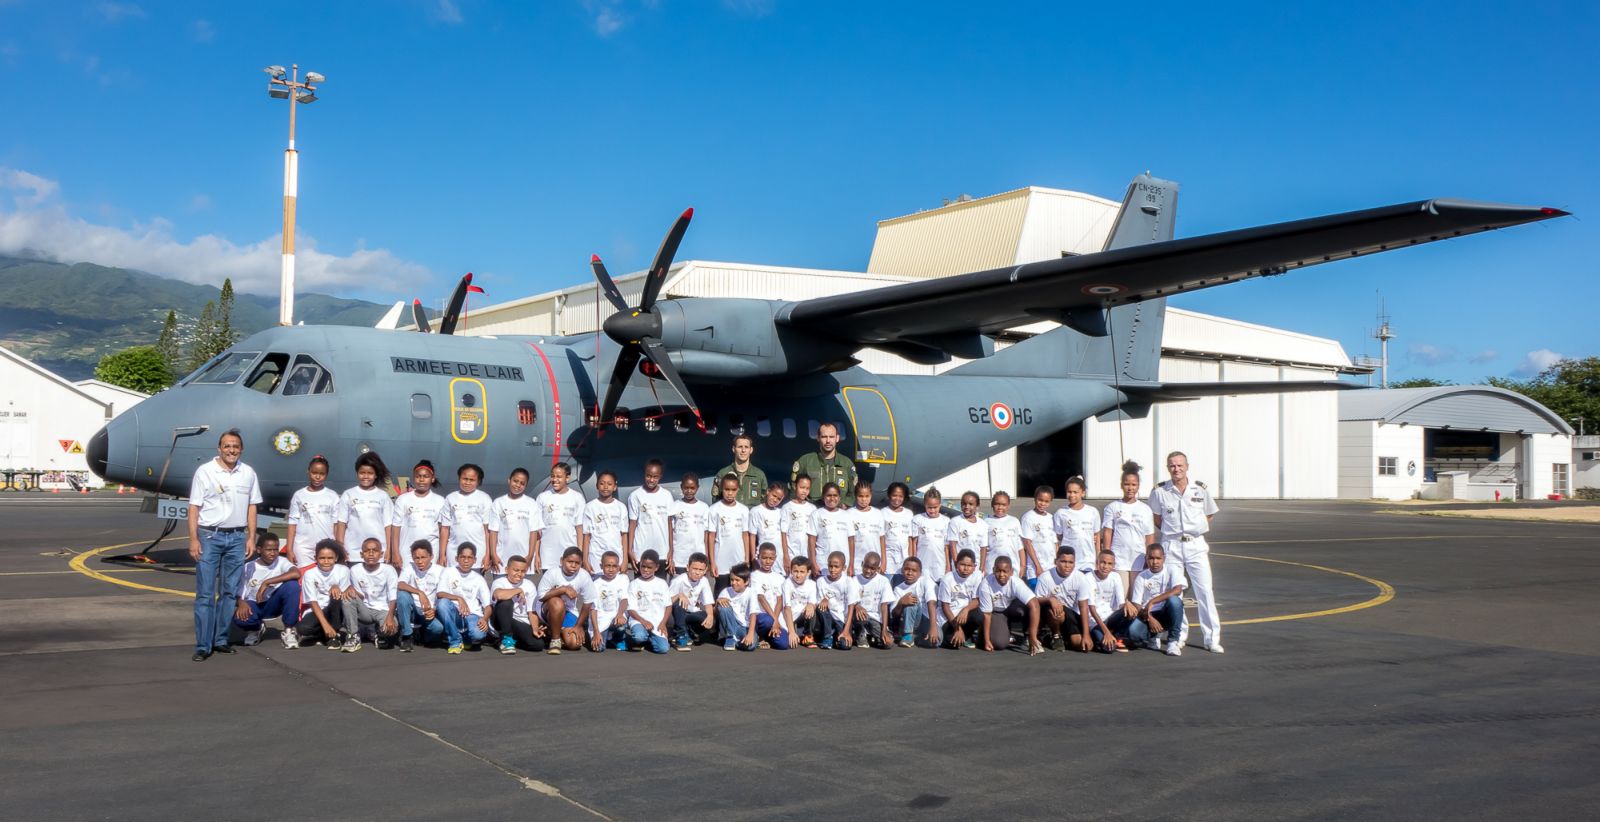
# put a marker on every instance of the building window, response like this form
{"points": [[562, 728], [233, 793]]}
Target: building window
{"points": [[1558, 478], [1388, 466], [527, 412]]}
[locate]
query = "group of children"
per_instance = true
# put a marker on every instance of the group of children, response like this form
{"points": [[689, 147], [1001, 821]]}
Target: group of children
{"points": [[659, 572]]}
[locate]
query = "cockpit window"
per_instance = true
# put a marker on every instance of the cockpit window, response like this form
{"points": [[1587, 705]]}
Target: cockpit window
{"points": [[269, 373], [307, 376], [228, 369]]}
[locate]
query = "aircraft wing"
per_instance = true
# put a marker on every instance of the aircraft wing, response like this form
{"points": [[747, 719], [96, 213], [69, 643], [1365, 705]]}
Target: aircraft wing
{"points": [[991, 301], [1178, 391]]}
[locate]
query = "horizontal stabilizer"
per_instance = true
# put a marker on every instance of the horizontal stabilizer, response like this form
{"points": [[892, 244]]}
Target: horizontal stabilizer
{"points": [[1177, 391], [391, 320]]}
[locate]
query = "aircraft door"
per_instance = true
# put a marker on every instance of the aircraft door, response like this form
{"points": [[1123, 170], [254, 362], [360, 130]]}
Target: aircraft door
{"points": [[876, 441]]}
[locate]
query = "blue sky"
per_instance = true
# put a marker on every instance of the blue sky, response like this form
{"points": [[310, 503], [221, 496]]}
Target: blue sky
{"points": [[514, 139]]}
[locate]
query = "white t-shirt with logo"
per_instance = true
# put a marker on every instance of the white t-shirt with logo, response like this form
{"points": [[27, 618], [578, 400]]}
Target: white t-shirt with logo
{"points": [[1077, 530], [688, 530], [561, 514], [610, 595], [224, 497], [1066, 589], [1108, 593], [605, 523], [693, 596], [767, 584], [956, 592], [255, 573], [968, 536], [519, 517], [1005, 540], [470, 586], [375, 585], [992, 596], [316, 586], [866, 534], [727, 521], [799, 525], [471, 518], [767, 525], [840, 593], [924, 589], [425, 581], [1148, 585], [1040, 530], [581, 582], [418, 517], [833, 534], [742, 603], [1130, 523], [872, 593], [896, 537], [312, 513], [650, 599], [522, 603], [797, 596], [652, 511], [931, 534], [366, 513]]}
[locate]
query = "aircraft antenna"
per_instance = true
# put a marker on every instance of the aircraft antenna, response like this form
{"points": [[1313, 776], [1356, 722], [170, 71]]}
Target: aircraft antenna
{"points": [[1384, 335]]}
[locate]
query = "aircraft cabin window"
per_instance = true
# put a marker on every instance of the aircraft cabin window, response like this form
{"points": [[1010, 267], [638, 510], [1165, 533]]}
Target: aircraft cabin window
{"points": [[307, 377], [527, 413], [763, 427], [228, 369], [421, 407], [680, 422], [736, 425], [709, 420], [811, 428], [268, 374], [788, 428], [652, 424], [623, 418]]}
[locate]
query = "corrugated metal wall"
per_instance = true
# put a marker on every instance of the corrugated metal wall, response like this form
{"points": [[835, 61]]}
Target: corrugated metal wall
{"points": [[1064, 221], [957, 239]]}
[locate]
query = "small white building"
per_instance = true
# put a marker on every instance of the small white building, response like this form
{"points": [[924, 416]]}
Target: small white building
{"points": [[1586, 461], [1473, 442], [46, 421]]}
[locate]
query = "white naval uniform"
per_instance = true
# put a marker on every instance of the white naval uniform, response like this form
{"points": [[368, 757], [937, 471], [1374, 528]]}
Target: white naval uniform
{"points": [[1184, 523]]}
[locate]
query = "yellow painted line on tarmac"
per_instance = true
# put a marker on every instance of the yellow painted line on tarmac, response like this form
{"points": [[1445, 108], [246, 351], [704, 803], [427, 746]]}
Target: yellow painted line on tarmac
{"points": [[80, 563], [1327, 539], [1385, 592], [49, 573]]}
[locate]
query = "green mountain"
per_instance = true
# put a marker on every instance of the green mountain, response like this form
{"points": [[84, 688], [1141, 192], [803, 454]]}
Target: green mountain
{"points": [[65, 317]]}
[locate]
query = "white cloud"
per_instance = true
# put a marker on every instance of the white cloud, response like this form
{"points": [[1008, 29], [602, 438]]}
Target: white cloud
{"points": [[200, 202], [40, 225], [1537, 361], [201, 31], [1426, 354], [447, 11], [117, 12], [1485, 356], [607, 15]]}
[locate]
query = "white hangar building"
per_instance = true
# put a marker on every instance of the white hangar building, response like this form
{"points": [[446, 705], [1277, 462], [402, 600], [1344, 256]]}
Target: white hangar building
{"points": [[1263, 446], [46, 421]]}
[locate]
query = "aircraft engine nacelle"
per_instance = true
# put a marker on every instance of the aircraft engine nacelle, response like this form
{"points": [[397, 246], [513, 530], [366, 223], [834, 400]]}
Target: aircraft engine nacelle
{"points": [[729, 339]]}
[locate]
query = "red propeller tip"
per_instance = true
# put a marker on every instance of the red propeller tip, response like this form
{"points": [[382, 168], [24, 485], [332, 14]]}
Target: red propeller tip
{"points": [[688, 214], [416, 302], [594, 258], [468, 278]]}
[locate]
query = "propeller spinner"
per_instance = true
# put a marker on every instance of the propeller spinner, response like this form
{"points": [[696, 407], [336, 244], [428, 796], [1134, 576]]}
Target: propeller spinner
{"points": [[638, 330]]}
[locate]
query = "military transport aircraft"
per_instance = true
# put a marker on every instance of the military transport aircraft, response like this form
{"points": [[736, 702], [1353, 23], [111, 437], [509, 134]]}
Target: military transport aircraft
{"points": [[686, 373]]}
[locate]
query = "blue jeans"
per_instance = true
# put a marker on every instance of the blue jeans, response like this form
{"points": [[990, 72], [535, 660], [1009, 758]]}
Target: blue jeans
{"points": [[410, 616], [908, 620], [456, 623], [284, 602], [729, 626], [613, 634], [1118, 622], [1169, 613], [764, 627], [638, 636], [216, 586]]}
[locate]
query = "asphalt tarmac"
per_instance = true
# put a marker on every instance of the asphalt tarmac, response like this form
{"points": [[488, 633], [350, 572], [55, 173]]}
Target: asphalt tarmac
{"points": [[1470, 693]]}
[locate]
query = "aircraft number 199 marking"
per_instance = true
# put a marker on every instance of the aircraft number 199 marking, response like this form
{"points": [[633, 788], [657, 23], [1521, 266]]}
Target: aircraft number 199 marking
{"points": [[1000, 415]]}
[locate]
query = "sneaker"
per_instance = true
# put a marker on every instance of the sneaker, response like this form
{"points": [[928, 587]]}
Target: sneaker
{"points": [[290, 639], [335, 643], [1174, 649], [1153, 644], [453, 649], [1215, 647], [352, 644], [620, 645], [727, 644], [683, 645], [827, 645], [223, 649], [1058, 643], [508, 645], [200, 656], [969, 644], [555, 647], [252, 638], [906, 641], [405, 644]]}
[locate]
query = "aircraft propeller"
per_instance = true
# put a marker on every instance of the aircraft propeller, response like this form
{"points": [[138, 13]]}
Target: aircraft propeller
{"points": [[458, 300], [419, 315], [638, 330]]}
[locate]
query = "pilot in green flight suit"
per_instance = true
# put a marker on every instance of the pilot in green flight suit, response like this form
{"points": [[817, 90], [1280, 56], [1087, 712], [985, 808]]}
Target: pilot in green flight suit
{"points": [[752, 480], [826, 464]]}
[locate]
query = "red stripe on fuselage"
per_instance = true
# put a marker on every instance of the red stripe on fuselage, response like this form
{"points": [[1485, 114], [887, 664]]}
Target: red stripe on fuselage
{"points": [[555, 403]]}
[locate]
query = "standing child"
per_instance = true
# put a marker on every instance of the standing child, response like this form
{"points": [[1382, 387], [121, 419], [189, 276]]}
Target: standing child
{"points": [[866, 528], [312, 511], [1007, 605], [1108, 622], [725, 528], [837, 592], [1078, 525], [956, 612], [689, 518], [799, 523], [419, 582], [608, 619], [1155, 603], [911, 594], [766, 519], [649, 599], [800, 600], [693, 606], [269, 587], [605, 521], [830, 527], [968, 532], [365, 510], [416, 513], [1039, 540], [929, 531], [871, 611], [896, 527], [566, 593], [375, 584], [650, 515], [1005, 532], [322, 588], [1063, 608], [520, 520], [1128, 526], [462, 601], [469, 517], [516, 616], [561, 508]]}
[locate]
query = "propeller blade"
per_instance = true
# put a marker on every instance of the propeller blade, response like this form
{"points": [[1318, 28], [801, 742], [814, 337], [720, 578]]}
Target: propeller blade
{"points": [[452, 312], [658, 357], [658, 269], [607, 285], [627, 360], [420, 316]]}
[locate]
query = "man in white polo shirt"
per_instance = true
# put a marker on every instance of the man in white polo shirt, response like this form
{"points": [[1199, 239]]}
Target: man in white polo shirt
{"points": [[222, 536], [1183, 510]]}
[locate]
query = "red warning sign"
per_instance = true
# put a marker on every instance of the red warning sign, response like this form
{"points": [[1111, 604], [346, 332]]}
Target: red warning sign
{"points": [[66, 445]]}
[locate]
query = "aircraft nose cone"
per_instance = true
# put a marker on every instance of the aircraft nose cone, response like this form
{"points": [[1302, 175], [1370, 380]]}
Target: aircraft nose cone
{"points": [[629, 326], [99, 446]]}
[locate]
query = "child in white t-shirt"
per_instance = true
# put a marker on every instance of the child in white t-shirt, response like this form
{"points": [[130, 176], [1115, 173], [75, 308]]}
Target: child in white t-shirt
{"points": [[650, 515], [866, 528], [1128, 526], [911, 594], [871, 609], [1155, 603], [605, 523], [567, 595], [968, 532], [419, 582], [896, 526], [929, 533], [608, 619], [799, 524], [312, 511], [836, 591], [1108, 621], [322, 598], [693, 607], [364, 511], [830, 527], [1078, 525], [1005, 533], [462, 601], [1063, 615], [649, 606], [740, 623], [516, 610], [375, 585], [269, 587], [957, 612], [1006, 602], [766, 520], [726, 527], [415, 514], [520, 521], [561, 509], [689, 518], [469, 517], [800, 600], [1039, 538]]}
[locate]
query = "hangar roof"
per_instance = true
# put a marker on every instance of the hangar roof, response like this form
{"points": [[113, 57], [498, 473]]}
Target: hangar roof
{"points": [[1464, 407]]}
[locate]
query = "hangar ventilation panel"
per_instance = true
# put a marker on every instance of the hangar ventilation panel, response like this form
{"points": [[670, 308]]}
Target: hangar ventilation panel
{"points": [[1022, 226]]}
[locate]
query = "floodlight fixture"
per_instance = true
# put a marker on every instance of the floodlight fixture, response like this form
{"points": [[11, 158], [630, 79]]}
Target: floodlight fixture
{"points": [[306, 97], [315, 77], [275, 71], [278, 93]]}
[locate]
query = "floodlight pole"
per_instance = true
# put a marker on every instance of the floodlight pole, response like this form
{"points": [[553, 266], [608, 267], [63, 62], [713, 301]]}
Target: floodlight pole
{"points": [[298, 92]]}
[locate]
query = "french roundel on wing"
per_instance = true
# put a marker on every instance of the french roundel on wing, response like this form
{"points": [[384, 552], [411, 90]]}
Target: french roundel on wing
{"points": [[1000, 415], [1104, 289]]}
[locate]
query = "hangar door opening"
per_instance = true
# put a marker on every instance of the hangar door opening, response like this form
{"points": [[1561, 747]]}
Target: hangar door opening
{"points": [[1475, 452], [1050, 461]]}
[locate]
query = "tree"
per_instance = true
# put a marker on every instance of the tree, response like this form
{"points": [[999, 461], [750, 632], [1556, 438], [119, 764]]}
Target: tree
{"points": [[140, 368], [1571, 388], [224, 333], [167, 346], [202, 344], [1420, 382]]}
